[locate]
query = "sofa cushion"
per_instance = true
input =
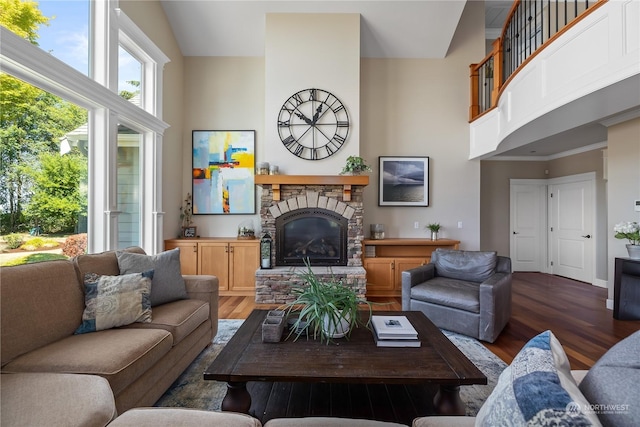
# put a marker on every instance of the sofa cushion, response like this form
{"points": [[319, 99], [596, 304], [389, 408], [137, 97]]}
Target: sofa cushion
{"points": [[180, 318], [104, 263], [46, 399], [112, 301], [472, 266], [40, 303], [119, 355], [612, 384], [172, 417], [168, 284], [537, 389], [449, 292]]}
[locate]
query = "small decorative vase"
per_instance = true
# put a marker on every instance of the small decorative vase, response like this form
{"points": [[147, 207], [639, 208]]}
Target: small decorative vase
{"points": [[634, 251], [434, 235]]}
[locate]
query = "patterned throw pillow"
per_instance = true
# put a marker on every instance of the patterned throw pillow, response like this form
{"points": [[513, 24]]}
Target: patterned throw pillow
{"points": [[112, 301], [168, 284], [537, 389]]}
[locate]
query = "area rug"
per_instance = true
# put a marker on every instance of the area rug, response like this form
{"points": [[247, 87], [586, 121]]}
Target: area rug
{"points": [[190, 390]]}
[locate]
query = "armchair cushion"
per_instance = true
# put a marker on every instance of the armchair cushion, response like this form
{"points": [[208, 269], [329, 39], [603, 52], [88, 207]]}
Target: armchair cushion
{"points": [[472, 266], [449, 292]]}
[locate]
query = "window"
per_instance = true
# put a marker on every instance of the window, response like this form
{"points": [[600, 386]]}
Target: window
{"points": [[109, 117]]}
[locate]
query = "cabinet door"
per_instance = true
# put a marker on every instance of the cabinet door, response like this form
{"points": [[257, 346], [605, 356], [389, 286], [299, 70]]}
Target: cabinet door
{"points": [[380, 277], [243, 262], [188, 254], [403, 264], [213, 259]]}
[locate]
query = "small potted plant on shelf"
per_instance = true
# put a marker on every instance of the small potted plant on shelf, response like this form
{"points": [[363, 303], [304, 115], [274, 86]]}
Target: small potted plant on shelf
{"points": [[434, 227], [325, 309], [355, 166]]}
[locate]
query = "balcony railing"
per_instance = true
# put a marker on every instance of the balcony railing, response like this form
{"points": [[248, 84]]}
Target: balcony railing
{"points": [[531, 25]]}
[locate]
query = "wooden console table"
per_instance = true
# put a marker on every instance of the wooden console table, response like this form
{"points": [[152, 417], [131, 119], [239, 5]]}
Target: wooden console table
{"points": [[386, 259]]}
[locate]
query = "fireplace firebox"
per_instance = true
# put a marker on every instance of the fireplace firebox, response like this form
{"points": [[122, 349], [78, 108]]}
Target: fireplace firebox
{"points": [[319, 235]]}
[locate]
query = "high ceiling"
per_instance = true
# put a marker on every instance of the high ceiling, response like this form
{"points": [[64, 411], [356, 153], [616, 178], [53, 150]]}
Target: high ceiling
{"points": [[389, 29]]}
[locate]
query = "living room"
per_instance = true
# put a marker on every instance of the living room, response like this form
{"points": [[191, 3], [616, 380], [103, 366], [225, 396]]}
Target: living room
{"points": [[407, 106]]}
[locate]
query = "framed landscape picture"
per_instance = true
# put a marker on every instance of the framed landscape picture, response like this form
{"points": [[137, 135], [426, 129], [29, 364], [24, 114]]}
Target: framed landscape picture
{"points": [[223, 172], [403, 181]]}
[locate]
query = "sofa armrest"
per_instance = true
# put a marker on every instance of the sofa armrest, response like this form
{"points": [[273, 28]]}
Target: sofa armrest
{"points": [[413, 277], [204, 288], [495, 305]]}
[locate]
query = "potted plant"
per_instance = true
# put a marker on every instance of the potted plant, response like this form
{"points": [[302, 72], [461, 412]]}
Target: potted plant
{"points": [[434, 228], [631, 231], [355, 166], [326, 308]]}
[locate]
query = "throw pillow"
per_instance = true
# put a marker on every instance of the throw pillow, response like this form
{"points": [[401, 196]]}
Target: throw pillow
{"points": [[168, 284], [537, 389], [112, 301]]}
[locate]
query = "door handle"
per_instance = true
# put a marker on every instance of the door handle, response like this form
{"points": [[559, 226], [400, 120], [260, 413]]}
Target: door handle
{"points": [[588, 236], [515, 232]]}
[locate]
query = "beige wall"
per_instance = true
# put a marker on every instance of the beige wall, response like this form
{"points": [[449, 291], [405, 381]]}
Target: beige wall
{"points": [[222, 93], [623, 184], [419, 107], [150, 17], [495, 202], [407, 107]]}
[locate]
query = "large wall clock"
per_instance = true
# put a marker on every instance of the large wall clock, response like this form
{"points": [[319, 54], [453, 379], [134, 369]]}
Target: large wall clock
{"points": [[313, 124]]}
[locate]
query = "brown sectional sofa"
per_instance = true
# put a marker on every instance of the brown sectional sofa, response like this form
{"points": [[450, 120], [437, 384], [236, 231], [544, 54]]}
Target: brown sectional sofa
{"points": [[42, 305]]}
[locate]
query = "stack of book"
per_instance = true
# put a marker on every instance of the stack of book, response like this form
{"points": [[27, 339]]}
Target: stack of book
{"points": [[394, 331]]}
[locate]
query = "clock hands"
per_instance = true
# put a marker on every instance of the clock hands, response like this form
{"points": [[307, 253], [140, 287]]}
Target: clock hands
{"points": [[317, 114], [303, 117]]}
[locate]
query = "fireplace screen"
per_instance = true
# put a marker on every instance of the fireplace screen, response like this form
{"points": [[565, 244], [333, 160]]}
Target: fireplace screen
{"points": [[317, 234]]}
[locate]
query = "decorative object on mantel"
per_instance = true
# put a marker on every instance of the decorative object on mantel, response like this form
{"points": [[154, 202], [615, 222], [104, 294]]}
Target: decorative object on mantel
{"points": [[434, 227], [629, 230], [329, 307], [262, 168], [246, 230], [265, 251], [355, 166], [223, 175], [403, 181]]}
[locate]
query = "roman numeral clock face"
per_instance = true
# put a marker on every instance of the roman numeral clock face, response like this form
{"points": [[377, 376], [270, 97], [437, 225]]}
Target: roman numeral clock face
{"points": [[313, 124]]}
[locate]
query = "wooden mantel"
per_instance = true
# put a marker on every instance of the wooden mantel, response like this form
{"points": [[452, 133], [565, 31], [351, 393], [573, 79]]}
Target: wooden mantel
{"points": [[345, 180]]}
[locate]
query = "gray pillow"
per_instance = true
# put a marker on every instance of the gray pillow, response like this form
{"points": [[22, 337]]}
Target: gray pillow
{"points": [[167, 284]]}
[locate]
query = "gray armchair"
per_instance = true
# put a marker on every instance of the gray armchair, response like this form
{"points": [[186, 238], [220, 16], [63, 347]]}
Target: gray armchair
{"points": [[468, 292]]}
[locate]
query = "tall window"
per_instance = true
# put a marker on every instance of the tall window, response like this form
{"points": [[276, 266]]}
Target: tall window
{"points": [[116, 166]]}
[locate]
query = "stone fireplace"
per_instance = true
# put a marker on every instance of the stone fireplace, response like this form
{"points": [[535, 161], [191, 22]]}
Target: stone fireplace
{"points": [[314, 217]]}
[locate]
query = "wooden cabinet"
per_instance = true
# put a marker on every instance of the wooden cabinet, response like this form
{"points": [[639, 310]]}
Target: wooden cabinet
{"points": [[233, 261], [386, 259]]}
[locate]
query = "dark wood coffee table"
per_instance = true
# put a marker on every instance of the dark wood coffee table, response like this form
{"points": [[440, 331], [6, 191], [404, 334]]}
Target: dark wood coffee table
{"points": [[355, 362]]}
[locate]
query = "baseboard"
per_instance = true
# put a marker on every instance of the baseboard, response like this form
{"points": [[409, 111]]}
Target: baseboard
{"points": [[600, 283], [609, 304]]}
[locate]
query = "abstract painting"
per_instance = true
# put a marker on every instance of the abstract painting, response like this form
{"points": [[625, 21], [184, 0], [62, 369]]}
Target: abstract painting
{"points": [[223, 172], [404, 181]]}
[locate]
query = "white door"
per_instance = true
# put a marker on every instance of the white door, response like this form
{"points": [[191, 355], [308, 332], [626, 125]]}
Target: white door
{"points": [[528, 219], [572, 228]]}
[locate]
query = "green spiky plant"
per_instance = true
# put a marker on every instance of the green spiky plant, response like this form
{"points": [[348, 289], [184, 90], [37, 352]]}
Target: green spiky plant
{"points": [[319, 299]]}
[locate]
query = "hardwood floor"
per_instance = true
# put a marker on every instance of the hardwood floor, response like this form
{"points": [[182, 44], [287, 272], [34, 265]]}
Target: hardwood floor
{"points": [[574, 311]]}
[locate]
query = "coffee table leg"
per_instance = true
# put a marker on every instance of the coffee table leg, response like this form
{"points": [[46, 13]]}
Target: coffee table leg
{"points": [[237, 398], [447, 401]]}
